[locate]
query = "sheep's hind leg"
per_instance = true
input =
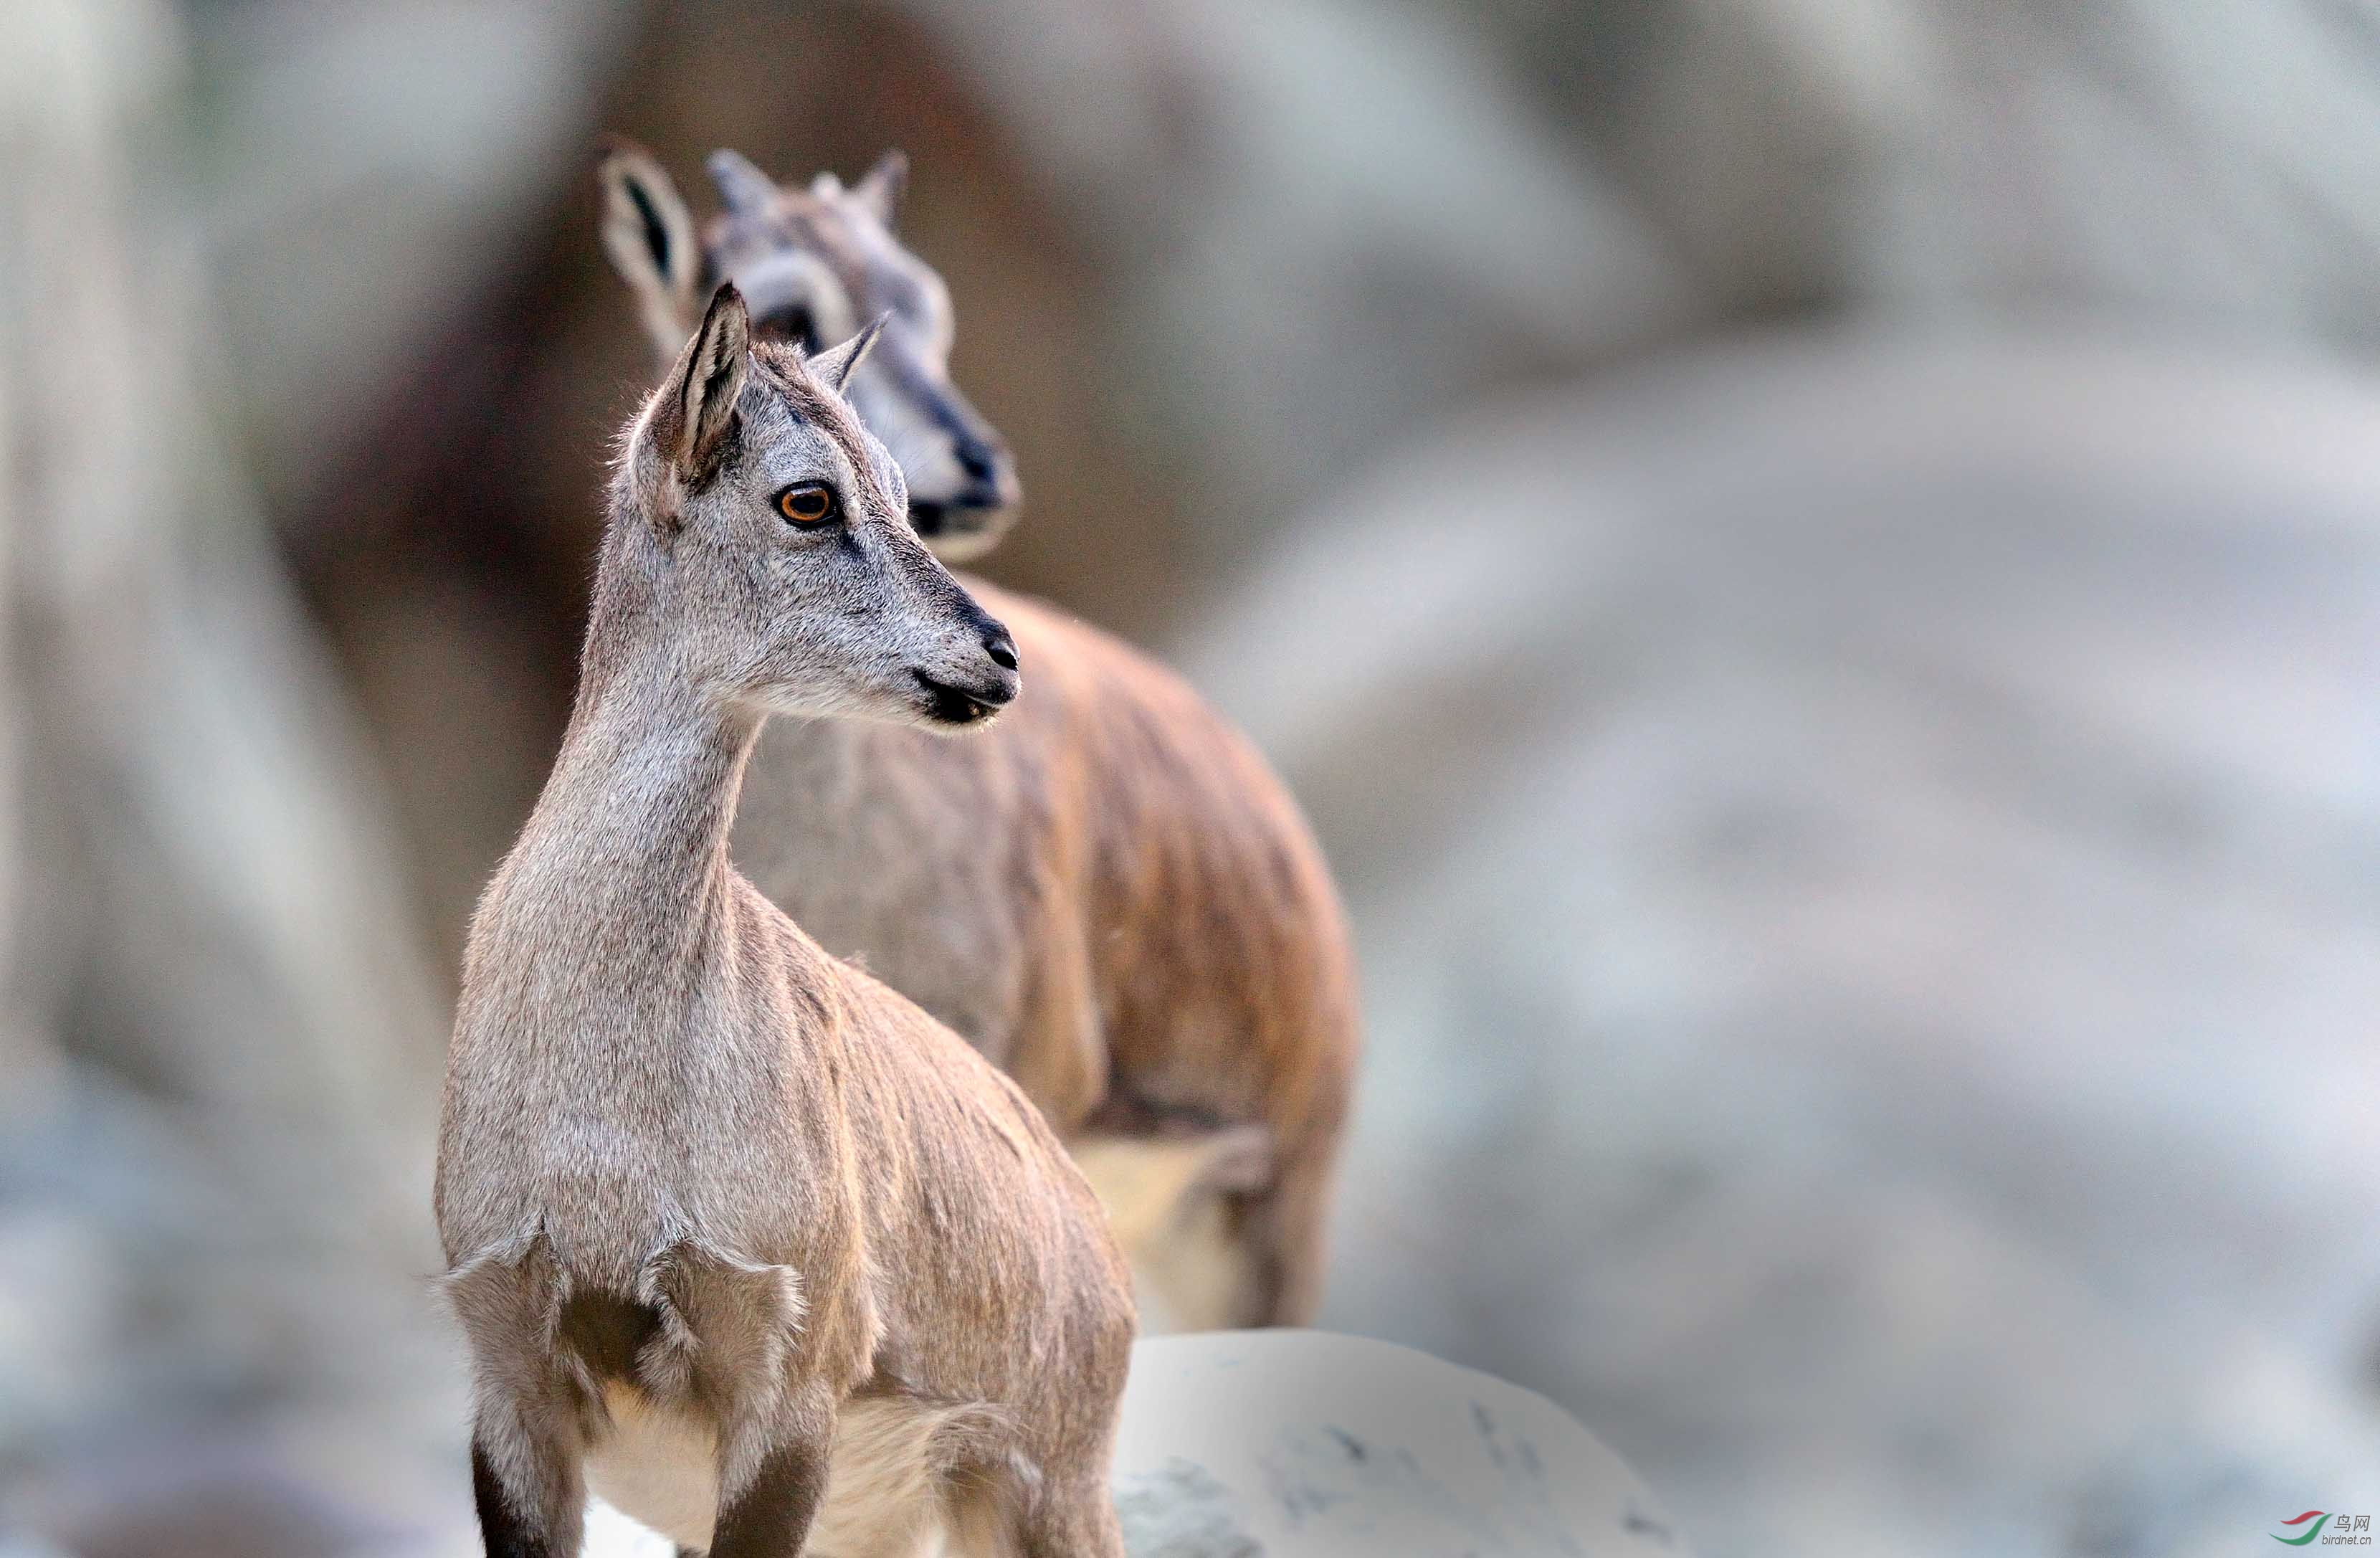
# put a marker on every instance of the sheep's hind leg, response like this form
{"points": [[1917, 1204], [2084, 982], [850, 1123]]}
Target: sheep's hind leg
{"points": [[1078, 1522]]}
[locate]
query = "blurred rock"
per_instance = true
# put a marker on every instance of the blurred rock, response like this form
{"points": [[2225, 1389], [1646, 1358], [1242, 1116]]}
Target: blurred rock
{"points": [[2204, 167], [216, 1040], [1319, 219], [365, 166], [1863, 851]]}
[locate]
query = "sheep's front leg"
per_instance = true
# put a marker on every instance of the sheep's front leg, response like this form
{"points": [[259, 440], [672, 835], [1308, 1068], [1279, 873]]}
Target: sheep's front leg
{"points": [[527, 1486]]}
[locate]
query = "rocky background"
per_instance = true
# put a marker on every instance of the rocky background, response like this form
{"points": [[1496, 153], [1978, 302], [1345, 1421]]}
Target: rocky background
{"points": [[1817, 567]]}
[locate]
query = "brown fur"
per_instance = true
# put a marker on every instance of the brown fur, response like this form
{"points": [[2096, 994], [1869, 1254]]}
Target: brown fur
{"points": [[1109, 892], [701, 1184], [1147, 938]]}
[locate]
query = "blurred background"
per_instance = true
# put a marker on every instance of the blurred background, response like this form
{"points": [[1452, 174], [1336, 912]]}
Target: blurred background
{"points": [[1816, 563]]}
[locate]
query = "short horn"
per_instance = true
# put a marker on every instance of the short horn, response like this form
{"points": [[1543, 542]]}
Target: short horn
{"points": [[743, 187]]}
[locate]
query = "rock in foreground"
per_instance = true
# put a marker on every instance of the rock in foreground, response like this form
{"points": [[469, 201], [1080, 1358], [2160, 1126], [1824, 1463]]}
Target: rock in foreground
{"points": [[1303, 1444]]}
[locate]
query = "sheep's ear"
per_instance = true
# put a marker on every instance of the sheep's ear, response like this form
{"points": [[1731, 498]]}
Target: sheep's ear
{"points": [[649, 236], [690, 422], [881, 188], [835, 365]]}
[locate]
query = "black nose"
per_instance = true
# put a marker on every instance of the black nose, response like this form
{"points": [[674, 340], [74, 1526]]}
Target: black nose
{"points": [[1001, 647], [978, 460]]}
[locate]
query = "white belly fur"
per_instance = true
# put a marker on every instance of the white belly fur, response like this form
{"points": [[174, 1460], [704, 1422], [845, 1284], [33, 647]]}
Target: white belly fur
{"points": [[657, 1465], [886, 1493]]}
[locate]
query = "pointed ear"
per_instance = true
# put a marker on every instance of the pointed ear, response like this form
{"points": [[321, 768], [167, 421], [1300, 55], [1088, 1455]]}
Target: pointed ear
{"points": [[881, 188], [747, 190], [835, 365], [649, 236], [697, 406]]}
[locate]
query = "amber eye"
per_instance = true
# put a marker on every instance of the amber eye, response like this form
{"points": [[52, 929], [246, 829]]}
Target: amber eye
{"points": [[809, 503]]}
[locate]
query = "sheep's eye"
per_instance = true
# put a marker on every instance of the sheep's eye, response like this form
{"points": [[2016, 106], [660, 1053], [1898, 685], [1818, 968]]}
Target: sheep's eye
{"points": [[808, 503]]}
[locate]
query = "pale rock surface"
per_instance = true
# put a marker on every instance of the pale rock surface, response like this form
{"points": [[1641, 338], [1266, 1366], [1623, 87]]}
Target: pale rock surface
{"points": [[1307, 1445]]}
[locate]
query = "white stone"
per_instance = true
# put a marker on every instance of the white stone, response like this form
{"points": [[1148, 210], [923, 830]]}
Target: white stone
{"points": [[1305, 1445]]}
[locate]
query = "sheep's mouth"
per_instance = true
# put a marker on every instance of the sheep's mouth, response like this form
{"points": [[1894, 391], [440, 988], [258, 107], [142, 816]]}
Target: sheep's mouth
{"points": [[947, 704]]}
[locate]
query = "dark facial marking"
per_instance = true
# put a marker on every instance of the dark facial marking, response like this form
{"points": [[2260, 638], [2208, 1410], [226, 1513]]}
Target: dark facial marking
{"points": [[976, 455], [790, 322]]}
